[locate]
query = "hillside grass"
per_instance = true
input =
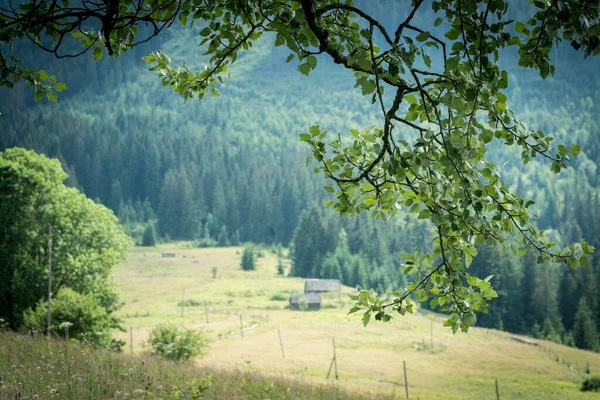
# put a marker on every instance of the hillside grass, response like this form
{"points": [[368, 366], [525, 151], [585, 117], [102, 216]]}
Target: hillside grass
{"points": [[38, 368], [370, 360]]}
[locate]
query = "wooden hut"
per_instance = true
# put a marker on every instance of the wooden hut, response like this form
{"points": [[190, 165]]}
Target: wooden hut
{"points": [[306, 301], [322, 285]]}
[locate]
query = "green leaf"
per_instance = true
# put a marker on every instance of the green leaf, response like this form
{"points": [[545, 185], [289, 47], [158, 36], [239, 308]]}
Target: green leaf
{"points": [[423, 36], [453, 34], [575, 150], [52, 96], [519, 27], [353, 310], [366, 318], [304, 69], [97, 53]]}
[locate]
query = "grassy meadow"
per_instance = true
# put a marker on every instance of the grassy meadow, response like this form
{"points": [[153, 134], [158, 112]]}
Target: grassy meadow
{"points": [[369, 360]]}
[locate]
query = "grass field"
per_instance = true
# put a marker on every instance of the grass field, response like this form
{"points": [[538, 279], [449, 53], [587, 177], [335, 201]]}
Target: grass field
{"points": [[370, 360]]}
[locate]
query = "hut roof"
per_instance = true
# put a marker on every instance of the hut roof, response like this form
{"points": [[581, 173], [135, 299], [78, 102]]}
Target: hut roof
{"points": [[322, 285]]}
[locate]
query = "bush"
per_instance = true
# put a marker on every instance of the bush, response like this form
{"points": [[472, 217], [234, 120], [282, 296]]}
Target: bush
{"points": [[591, 384], [189, 303], [247, 263], [278, 297], [176, 343], [86, 317], [206, 242]]}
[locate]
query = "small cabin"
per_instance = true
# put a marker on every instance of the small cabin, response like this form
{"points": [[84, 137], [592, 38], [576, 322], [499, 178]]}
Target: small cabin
{"points": [[322, 285], [168, 255], [306, 301]]}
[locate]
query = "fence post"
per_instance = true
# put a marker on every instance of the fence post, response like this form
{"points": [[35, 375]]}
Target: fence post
{"points": [[431, 334], [280, 342], [497, 390], [405, 379], [335, 360], [49, 280], [206, 312], [241, 326], [182, 304], [131, 341]]}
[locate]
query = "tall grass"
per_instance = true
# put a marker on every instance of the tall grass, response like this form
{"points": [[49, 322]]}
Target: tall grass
{"points": [[38, 368]]}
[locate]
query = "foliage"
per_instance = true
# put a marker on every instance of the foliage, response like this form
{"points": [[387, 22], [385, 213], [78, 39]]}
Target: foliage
{"points": [[448, 111], [149, 238], [88, 321], [176, 343], [591, 384], [41, 214], [248, 262], [101, 374]]}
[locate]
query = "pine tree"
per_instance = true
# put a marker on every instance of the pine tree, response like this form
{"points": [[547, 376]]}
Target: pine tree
{"points": [[149, 238], [223, 238], [248, 263], [280, 267], [585, 333]]}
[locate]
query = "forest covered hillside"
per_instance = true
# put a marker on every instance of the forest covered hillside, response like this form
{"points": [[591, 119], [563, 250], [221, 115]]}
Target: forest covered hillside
{"points": [[230, 169]]}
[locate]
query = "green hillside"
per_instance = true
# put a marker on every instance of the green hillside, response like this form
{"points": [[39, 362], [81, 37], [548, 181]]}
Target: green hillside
{"points": [[229, 169], [370, 360]]}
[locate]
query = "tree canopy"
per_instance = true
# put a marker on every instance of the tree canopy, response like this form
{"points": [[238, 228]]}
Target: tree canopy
{"points": [[438, 85], [40, 214]]}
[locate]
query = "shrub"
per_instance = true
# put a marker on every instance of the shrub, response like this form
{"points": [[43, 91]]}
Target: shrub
{"points": [[278, 297], [206, 242], [280, 267], [87, 318], [189, 303], [177, 343], [591, 384]]}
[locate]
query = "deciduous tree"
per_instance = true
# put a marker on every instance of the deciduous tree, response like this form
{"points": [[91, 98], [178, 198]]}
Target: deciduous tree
{"points": [[438, 85], [40, 214]]}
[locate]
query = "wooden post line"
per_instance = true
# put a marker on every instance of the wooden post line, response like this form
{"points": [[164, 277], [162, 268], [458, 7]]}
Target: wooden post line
{"points": [[280, 343], [49, 280], [241, 326], [206, 312], [431, 334], [497, 390], [333, 362], [182, 304], [405, 379]]}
